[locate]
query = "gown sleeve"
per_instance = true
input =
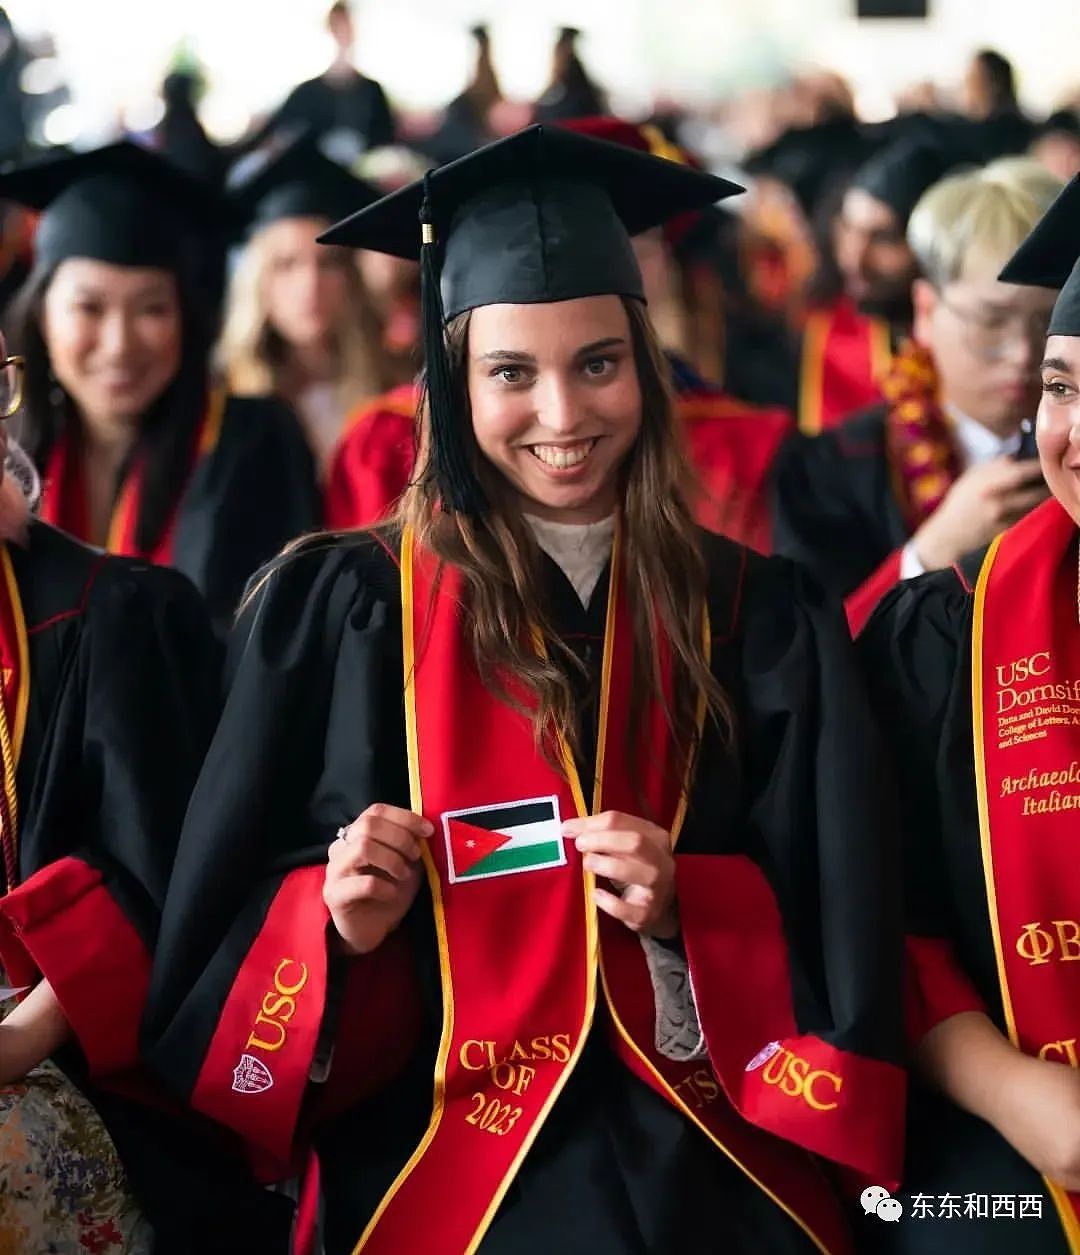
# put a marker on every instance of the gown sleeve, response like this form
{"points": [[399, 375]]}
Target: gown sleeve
{"points": [[914, 653], [311, 734], [818, 524], [129, 728], [794, 933], [249, 498]]}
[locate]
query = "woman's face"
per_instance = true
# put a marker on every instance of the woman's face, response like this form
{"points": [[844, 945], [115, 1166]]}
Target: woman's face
{"points": [[556, 401], [305, 285], [1058, 424], [113, 334]]}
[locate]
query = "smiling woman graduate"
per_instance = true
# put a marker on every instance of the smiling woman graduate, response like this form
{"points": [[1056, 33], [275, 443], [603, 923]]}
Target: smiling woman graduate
{"points": [[977, 670], [602, 958], [139, 451]]}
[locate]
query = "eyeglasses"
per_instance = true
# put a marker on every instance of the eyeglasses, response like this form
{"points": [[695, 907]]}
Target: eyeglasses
{"points": [[990, 334], [12, 372]]}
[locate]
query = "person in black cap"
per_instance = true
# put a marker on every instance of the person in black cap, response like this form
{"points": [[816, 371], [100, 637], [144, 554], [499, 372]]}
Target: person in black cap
{"points": [[846, 347], [109, 696], [140, 452], [942, 463], [1056, 143], [731, 443], [631, 1051], [342, 108], [467, 122], [571, 92], [974, 671], [298, 321]]}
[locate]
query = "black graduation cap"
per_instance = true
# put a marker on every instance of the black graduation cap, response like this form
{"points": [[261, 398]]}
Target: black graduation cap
{"points": [[299, 181], [899, 174], [543, 216], [1050, 258], [812, 161], [121, 204]]}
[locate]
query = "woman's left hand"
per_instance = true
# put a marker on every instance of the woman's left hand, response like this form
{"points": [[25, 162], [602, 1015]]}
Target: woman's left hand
{"points": [[636, 856]]}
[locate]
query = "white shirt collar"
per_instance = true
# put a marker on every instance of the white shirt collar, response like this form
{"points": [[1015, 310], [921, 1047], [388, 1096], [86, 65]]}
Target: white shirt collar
{"points": [[978, 444]]}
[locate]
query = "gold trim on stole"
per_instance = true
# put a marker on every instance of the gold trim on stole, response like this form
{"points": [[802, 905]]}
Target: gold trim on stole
{"points": [[812, 373]]}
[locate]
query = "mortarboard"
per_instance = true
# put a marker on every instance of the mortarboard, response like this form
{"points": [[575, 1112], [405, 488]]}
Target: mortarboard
{"points": [[1050, 258], [900, 174], [813, 161], [300, 181], [120, 204], [543, 216]]}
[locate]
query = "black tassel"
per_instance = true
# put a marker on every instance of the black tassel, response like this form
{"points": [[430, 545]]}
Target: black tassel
{"points": [[449, 465]]}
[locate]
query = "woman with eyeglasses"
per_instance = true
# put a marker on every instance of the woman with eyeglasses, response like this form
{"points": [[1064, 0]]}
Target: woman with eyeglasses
{"points": [[524, 884], [109, 695], [976, 674], [140, 452], [943, 464]]}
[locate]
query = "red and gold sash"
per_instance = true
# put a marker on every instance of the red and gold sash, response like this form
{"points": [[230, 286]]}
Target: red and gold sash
{"points": [[919, 444], [14, 659], [845, 354], [520, 953], [1025, 659], [64, 504]]}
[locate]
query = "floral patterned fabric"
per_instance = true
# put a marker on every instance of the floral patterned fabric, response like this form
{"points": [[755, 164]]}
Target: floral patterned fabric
{"points": [[62, 1189]]}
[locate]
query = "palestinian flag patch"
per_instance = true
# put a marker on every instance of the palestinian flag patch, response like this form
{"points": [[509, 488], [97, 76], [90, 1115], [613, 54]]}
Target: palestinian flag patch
{"points": [[503, 839]]}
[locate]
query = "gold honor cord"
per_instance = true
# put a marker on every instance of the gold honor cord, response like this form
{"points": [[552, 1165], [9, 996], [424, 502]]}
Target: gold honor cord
{"points": [[11, 740], [812, 373]]}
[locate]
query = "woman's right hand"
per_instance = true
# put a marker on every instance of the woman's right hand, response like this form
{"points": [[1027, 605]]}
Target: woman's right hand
{"points": [[1038, 1113], [373, 874]]}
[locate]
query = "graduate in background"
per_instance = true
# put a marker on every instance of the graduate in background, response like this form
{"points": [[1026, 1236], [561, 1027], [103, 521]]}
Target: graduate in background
{"points": [[731, 444], [940, 466], [571, 92], [344, 110], [580, 757], [466, 124], [110, 693], [139, 450], [974, 671], [298, 321], [847, 346]]}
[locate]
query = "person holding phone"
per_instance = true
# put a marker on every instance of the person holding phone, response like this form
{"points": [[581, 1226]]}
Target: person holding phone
{"points": [[915, 483], [973, 671]]}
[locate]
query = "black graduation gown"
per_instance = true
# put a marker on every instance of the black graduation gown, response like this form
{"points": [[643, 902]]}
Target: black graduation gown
{"points": [[254, 493], [313, 732], [322, 106], [916, 653], [834, 506], [123, 694]]}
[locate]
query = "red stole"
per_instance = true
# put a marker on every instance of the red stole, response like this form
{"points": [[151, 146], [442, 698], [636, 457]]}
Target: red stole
{"points": [[1025, 658], [64, 505], [524, 958], [732, 447], [844, 356], [15, 662]]}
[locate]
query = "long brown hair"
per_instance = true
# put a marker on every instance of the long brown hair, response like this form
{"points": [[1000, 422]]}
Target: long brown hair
{"points": [[664, 567]]}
